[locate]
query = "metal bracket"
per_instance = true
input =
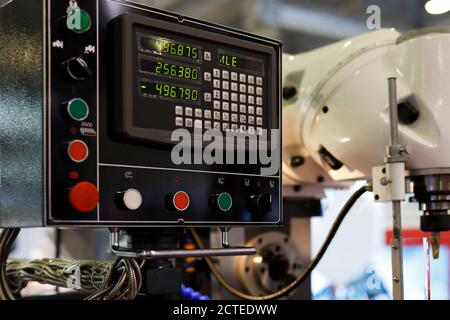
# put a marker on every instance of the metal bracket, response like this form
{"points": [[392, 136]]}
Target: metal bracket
{"points": [[178, 253]]}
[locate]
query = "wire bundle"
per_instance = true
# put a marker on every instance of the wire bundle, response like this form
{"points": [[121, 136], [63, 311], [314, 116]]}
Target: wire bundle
{"points": [[118, 280]]}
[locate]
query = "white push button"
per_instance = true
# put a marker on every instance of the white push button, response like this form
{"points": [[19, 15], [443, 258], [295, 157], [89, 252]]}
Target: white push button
{"points": [[131, 199]]}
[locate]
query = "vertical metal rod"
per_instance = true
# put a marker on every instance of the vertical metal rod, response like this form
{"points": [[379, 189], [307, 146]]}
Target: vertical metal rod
{"points": [[396, 243], [397, 253], [393, 112]]}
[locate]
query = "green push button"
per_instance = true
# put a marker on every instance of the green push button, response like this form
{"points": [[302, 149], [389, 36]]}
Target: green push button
{"points": [[78, 21], [224, 201], [78, 109]]}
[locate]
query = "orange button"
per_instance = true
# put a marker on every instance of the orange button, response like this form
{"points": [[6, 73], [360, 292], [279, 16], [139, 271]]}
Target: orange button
{"points": [[78, 151], [181, 200], [84, 197]]}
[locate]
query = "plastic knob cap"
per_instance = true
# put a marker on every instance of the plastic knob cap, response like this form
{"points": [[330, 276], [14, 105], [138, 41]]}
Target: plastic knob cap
{"points": [[130, 199]]}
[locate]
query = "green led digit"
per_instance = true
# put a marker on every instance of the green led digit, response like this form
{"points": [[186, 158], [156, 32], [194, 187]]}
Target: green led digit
{"points": [[194, 96], [166, 68], [158, 45], [194, 74], [188, 94], [187, 73], [173, 70], [181, 70], [180, 50], [166, 46], [173, 49], [173, 92], [158, 88], [194, 53], [158, 67]]}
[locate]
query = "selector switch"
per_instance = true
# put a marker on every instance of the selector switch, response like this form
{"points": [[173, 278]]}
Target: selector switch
{"points": [[130, 199], [261, 202], [77, 68], [77, 151], [178, 201], [77, 109], [222, 201], [84, 197]]}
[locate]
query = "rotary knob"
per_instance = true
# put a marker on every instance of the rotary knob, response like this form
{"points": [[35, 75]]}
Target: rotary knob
{"points": [[261, 202], [77, 68]]}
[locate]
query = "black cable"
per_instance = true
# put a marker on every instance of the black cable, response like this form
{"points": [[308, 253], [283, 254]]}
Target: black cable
{"points": [[306, 273]]}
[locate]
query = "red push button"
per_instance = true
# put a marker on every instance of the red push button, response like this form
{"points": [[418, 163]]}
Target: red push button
{"points": [[181, 200], [78, 151], [84, 197]]}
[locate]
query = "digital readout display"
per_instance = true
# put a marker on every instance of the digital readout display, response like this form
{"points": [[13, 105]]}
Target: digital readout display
{"points": [[239, 62], [169, 47], [169, 90], [169, 69]]}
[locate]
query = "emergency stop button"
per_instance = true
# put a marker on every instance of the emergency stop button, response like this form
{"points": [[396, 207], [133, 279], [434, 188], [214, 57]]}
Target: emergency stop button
{"points": [[179, 201], [77, 151], [84, 197]]}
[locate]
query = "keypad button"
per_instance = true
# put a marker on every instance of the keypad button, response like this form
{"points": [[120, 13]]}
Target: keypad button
{"points": [[251, 99], [251, 79], [225, 95], [225, 74], [225, 85], [234, 126], [234, 76], [251, 90], [216, 94], [234, 107], [225, 116], [188, 123], [251, 109], [242, 77], [251, 120], [207, 56], [198, 112], [216, 83], [207, 125], [259, 81], [243, 98], [216, 125], [234, 86], [243, 128], [207, 97], [234, 97], [198, 124], [207, 76], [251, 130], [259, 111], [225, 106], [259, 131], [188, 112], [179, 121], [216, 104], [216, 73], [234, 117], [259, 101], [179, 110], [259, 121], [242, 119], [242, 108], [216, 115], [242, 88], [207, 114], [259, 91], [225, 126]]}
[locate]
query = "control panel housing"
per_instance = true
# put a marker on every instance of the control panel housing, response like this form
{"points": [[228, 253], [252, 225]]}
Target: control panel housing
{"points": [[112, 80]]}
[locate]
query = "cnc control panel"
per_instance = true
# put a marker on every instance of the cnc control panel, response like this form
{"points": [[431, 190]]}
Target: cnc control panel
{"points": [[119, 79]]}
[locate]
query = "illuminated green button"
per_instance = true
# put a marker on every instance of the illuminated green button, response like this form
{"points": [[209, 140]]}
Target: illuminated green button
{"points": [[224, 201], [78, 21], [78, 109]]}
